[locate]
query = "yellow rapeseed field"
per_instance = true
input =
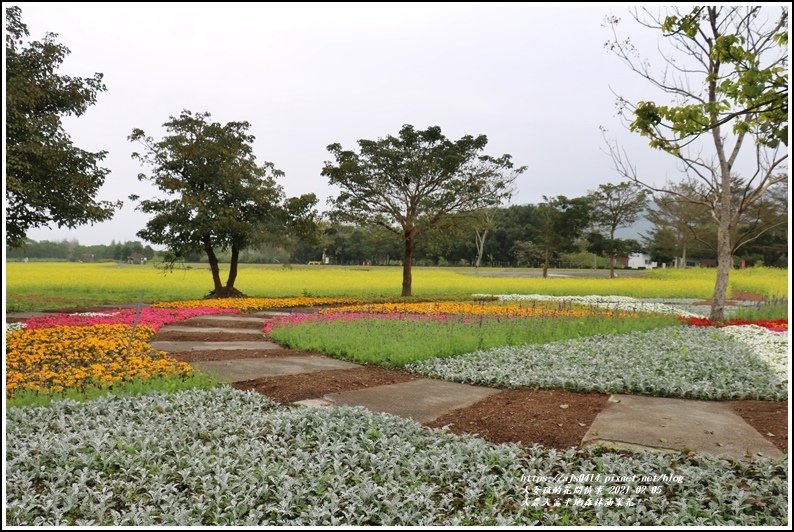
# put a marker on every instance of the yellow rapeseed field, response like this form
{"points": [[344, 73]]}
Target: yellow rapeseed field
{"points": [[50, 285]]}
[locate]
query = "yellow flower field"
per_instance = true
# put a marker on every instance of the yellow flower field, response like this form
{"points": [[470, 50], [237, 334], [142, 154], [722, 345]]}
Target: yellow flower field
{"points": [[56, 285], [56, 358]]}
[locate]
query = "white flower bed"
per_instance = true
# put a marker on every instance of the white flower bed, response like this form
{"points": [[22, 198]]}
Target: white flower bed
{"points": [[226, 457], [686, 362], [769, 346], [623, 303], [14, 327]]}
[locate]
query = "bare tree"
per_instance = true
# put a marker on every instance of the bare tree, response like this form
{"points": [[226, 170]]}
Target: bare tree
{"points": [[484, 224], [727, 73]]}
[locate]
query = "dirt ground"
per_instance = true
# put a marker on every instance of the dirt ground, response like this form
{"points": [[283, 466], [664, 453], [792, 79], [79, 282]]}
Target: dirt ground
{"points": [[527, 416]]}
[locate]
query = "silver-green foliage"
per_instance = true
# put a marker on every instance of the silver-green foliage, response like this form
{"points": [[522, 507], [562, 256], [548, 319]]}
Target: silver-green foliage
{"points": [[685, 362], [225, 457]]}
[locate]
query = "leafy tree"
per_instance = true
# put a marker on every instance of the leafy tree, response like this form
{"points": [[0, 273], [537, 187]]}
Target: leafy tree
{"points": [[727, 73], [528, 254], [679, 223], [598, 244], [414, 183], [616, 206], [512, 226], [559, 222], [48, 179], [218, 197]]}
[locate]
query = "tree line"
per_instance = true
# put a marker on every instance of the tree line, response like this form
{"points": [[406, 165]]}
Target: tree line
{"points": [[503, 237]]}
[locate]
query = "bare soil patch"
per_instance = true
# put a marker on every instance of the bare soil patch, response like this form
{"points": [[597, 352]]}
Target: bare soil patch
{"points": [[236, 354], [205, 336], [228, 324]]}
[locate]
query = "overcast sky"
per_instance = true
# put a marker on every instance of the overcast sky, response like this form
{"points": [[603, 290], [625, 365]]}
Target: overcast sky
{"points": [[536, 79]]}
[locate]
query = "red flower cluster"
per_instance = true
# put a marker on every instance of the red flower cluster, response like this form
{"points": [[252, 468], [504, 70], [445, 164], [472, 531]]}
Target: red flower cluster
{"points": [[780, 325]]}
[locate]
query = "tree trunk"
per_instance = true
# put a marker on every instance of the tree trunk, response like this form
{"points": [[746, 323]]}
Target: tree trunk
{"points": [[612, 254], [233, 268], [546, 264], [407, 262], [683, 256], [723, 252], [213, 262], [480, 240]]}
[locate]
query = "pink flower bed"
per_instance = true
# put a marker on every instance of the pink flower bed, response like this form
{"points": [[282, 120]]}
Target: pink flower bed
{"points": [[151, 317]]}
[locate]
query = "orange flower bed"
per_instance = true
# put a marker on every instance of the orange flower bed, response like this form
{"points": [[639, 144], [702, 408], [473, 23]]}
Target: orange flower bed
{"points": [[56, 358]]}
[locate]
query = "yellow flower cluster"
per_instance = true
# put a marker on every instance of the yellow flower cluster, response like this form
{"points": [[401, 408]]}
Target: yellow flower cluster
{"points": [[497, 310], [56, 358], [259, 303]]}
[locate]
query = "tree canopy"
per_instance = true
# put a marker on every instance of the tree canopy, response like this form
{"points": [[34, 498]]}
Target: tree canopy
{"points": [[558, 223], [416, 183], [616, 206], [218, 197], [48, 178]]}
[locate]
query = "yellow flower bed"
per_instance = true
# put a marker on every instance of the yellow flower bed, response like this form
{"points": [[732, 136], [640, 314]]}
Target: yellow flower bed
{"points": [[56, 358], [259, 303], [497, 310]]}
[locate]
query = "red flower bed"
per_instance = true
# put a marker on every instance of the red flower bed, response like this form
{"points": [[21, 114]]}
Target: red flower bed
{"points": [[780, 325]]}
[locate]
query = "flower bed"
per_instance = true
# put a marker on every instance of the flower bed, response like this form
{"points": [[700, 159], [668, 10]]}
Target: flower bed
{"points": [[150, 317], [247, 304], [225, 457], [55, 359]]}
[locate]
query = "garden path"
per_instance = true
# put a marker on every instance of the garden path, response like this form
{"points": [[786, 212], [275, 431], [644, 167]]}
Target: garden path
{"points": [[625, 422]]}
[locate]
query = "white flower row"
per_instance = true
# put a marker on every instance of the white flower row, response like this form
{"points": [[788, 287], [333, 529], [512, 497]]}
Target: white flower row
{"points": [[771, 347], [623, 303], [686, 362], [93, 314], [227, 457]]}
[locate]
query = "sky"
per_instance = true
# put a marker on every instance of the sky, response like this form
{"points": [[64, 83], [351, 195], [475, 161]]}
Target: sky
{"points": [[535, 78]]}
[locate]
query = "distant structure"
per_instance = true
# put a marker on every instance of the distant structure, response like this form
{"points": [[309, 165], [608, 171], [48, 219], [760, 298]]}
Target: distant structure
{"points": [[136, 258], [641, 261]]}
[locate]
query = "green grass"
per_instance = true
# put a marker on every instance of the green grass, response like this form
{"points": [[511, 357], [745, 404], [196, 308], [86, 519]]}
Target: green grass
{"points": [[761, 312], [397, 342], [130, 387]]}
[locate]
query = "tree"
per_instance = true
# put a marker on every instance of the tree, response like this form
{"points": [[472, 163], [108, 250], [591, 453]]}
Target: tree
{"points": [[558, 223], [415, 183], [679, 222], [484, 224], [219, 198], [727, 74], [767, 224], [687, 211], [48, 179], [616, 206]]}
